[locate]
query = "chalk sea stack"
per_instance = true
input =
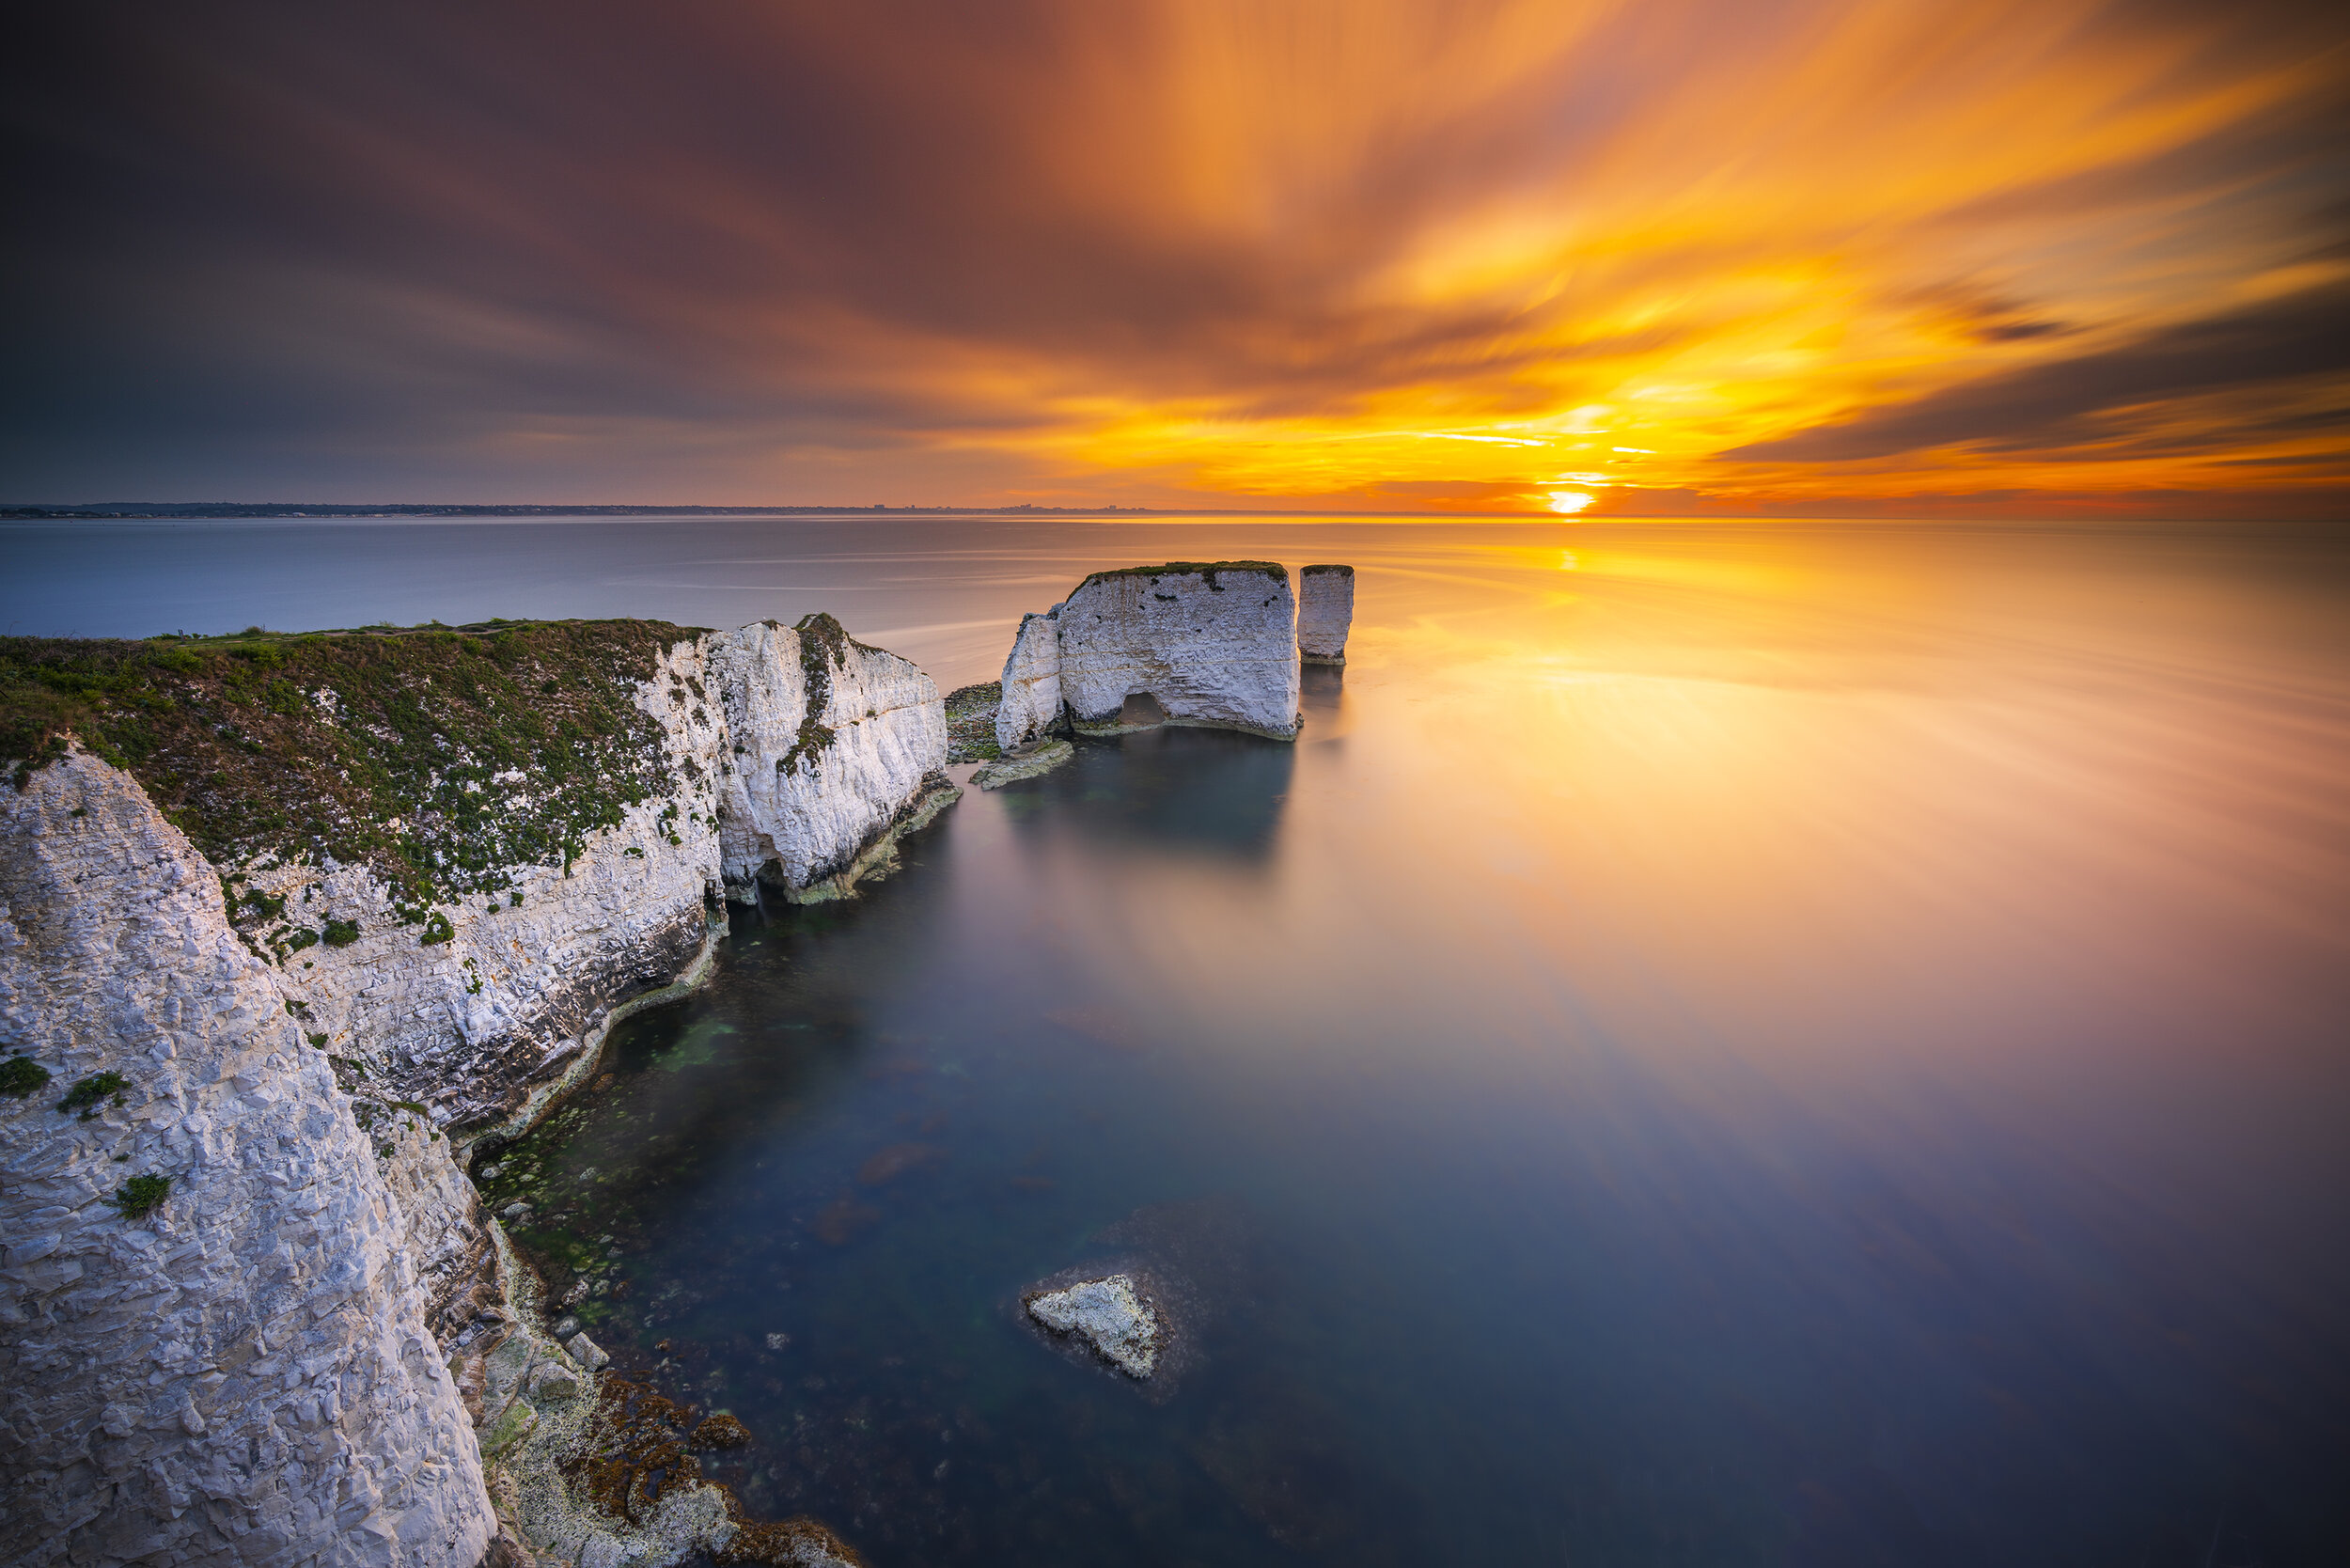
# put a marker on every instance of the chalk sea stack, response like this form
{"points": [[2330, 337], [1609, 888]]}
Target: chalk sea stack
{"points": [[1326, 611], [1207, 643]]}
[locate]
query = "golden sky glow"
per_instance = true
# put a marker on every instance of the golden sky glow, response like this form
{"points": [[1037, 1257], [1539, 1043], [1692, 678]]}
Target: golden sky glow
{"points": [[1360, 253]]}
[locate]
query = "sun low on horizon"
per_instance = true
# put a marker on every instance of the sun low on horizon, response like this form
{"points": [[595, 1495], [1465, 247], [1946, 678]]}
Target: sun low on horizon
{"points": [[1574, 259]]}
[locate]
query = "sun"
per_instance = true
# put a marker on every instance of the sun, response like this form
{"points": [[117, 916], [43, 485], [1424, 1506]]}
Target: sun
{"points": [[1570, 501]]}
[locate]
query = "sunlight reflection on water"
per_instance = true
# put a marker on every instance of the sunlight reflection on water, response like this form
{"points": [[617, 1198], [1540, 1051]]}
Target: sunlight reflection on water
{"points": [[1784, 1043]]}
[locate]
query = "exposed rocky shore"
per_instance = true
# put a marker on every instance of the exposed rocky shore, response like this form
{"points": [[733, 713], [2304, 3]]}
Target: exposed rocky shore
{"points": [[291, 928]]}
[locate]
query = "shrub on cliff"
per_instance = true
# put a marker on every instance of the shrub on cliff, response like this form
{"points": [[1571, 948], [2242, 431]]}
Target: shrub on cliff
{"points": [[85, 1096], [140, 1195], [20, 1076]]}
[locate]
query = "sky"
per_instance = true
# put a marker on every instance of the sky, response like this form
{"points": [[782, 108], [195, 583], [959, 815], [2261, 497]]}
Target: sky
{"points": [[1884, 257]]}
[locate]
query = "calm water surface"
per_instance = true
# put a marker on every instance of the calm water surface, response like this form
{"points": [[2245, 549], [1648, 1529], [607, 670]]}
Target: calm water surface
{"points": [[1766, 1043]]}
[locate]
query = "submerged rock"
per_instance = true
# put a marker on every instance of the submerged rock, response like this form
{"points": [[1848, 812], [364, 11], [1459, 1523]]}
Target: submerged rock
{"points": [[720, 1430], [1325, 609], [1033, 762], [1108, 1313]]}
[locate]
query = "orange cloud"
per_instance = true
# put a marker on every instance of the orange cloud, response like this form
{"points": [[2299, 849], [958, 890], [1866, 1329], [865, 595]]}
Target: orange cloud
{"points": [[1345, 253]]}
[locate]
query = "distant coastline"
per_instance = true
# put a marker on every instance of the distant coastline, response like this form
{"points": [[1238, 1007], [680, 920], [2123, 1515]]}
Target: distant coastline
{"points": [[101, 510]]}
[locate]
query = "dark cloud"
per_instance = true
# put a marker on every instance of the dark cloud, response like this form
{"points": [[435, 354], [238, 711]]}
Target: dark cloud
{"points": [[2053, 403], [453, 240]]}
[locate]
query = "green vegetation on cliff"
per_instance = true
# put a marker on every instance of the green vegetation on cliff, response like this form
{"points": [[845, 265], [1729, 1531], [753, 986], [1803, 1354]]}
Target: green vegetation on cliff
{"points": [[971, 722], [437, 756], [1212, 571]]}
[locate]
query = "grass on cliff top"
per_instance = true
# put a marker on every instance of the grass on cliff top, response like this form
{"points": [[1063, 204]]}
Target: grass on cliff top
{"points": [[1209, 570], [437, 755]]}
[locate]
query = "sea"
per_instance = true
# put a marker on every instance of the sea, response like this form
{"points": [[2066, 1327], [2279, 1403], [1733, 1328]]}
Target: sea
{"points": [[1722, 1043]]}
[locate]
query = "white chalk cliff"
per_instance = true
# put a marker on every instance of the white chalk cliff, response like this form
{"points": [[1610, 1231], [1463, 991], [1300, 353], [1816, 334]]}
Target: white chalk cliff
{"points": [[244, 1375], [1213, 643], [856, 736], [1325, 612], [251, 1374], [1031, 707]]}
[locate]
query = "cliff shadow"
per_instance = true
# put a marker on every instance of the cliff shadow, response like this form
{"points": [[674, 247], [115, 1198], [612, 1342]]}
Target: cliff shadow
{"points": [[1197, 791]]}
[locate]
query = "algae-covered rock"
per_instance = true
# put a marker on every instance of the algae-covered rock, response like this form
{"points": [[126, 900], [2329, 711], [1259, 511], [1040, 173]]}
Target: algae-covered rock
{"points": [[552, 1382], [512, 1427], [720, 1430], [971, 722], [1032, 762]]}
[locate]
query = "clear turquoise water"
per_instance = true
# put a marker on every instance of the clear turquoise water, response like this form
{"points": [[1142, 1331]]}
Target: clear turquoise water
{"points": [[1758, 1044]]}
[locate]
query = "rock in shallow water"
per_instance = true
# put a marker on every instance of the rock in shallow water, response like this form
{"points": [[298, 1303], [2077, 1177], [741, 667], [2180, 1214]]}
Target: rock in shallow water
{"points": [[587, 1352], [1042, 759], [1109, 1314]]}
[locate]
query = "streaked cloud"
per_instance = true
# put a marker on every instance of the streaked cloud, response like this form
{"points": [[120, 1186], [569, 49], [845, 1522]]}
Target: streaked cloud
{"points": [[1329, 252]]}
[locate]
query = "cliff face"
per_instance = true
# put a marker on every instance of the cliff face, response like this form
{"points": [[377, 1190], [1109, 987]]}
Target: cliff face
{"points": [[794, 756], [1031, 704], [1326, 611], [835, 744], [1214, 643], [243, 1374], [442, 864]]}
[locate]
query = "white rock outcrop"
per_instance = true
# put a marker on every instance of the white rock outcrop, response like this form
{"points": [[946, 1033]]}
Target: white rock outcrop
{"points": [[1108, 1313], [835, 744], [1212, 643], [1031, 707], [243, 1375], [1325, 612]]}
